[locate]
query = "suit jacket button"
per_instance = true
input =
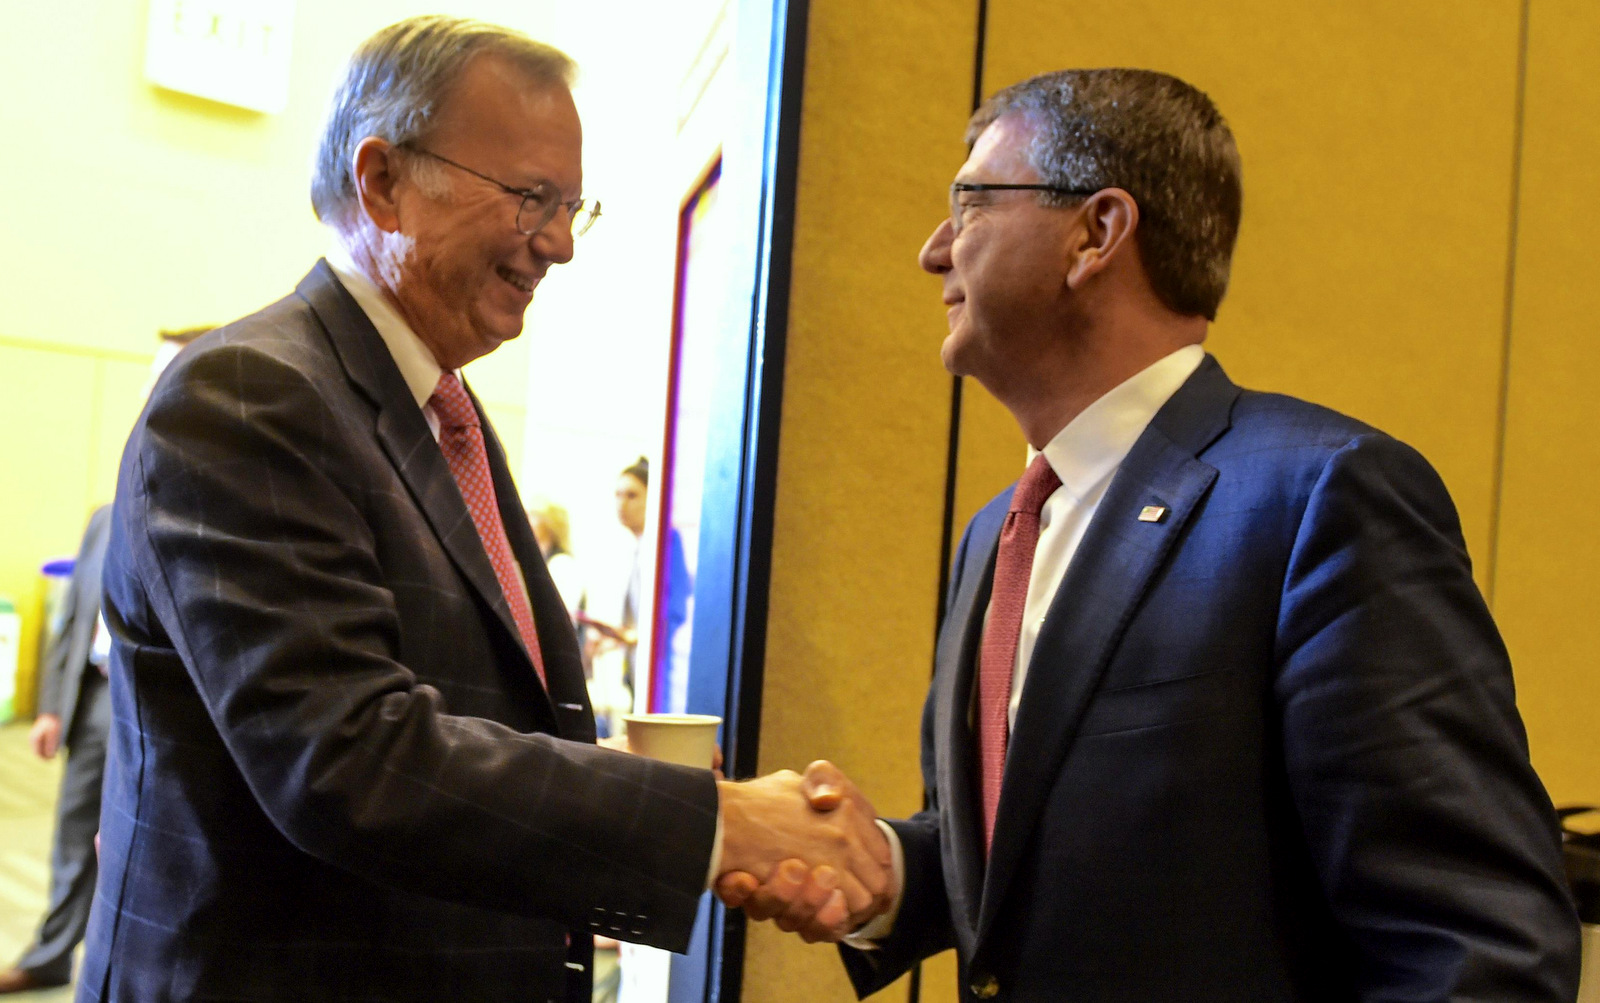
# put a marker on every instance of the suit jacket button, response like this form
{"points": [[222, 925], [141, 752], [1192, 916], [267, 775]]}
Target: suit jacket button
{"points": [[985, 987]]}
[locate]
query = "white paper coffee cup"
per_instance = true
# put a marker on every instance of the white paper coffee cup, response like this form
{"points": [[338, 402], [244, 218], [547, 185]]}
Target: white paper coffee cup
{"points": [[685, 739]]}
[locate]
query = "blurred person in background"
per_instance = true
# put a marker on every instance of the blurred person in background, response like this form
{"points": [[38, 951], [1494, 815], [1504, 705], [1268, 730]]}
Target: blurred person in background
{"points": [[552, 528], [75, 712], [612, 636], [632, 492]]}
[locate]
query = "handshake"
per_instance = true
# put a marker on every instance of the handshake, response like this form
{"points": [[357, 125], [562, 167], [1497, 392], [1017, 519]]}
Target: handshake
{"points": [[804, 851]]}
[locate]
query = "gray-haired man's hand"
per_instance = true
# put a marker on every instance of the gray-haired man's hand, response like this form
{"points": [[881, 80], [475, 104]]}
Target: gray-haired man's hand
{"points": [[821, 899]]}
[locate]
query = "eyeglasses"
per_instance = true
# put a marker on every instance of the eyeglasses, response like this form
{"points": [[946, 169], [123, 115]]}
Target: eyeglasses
{"points": [[959, 208], [539, 203]]}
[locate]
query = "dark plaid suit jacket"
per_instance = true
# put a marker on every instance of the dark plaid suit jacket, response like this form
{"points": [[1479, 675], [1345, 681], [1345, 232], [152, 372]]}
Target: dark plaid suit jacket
{"points": [[333, 773], [1267, 748]]}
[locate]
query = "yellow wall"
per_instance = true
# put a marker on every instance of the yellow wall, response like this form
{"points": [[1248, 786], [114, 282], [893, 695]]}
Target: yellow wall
{"points": [[1371, 272], [1379, 142], [1549, 547], [1377, 189], [129, 209], [865, 415], [63, 417]]}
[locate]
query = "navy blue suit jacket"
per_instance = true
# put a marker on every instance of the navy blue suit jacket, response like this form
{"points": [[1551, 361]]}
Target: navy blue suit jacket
{"points": [[333, 771], [1267, 748]]}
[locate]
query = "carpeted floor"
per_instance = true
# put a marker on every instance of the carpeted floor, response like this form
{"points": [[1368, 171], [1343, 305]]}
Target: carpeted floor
{"points": [[28, 787]]}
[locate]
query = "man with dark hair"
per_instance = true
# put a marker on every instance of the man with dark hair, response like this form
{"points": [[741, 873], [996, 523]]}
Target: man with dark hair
{"points": [[1218, 712], [353, 757]]}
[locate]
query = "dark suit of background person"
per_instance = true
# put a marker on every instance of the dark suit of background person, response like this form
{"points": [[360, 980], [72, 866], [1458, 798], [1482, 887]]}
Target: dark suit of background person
{"points": [[73, 689], [1267, 746]]}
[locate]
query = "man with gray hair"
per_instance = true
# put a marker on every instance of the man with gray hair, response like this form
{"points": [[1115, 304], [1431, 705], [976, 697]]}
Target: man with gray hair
{"points": [[1218, 712], [353, 755]]}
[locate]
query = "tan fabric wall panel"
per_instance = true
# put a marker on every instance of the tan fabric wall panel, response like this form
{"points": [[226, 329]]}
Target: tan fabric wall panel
{"points": [[861, 463], [1376, 140], [1545, 595], [992, 452]]}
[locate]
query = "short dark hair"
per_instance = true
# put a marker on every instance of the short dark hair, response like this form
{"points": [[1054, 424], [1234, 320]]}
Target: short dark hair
{"points": [[639, 470], [393, 87], [184, 335], [1159, 139]]}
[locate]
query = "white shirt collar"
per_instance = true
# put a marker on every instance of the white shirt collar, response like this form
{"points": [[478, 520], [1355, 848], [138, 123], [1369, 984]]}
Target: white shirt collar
{"points": [[1096, 442], [416, 362]]}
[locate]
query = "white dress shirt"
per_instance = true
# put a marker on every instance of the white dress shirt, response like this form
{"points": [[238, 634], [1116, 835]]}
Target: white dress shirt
{"points": [[415, 360], [100, 646], [1085, 455]]}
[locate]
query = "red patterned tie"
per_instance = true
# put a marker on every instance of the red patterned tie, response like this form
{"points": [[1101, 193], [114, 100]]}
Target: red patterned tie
{"points": [[998, 656], [461, 439]]}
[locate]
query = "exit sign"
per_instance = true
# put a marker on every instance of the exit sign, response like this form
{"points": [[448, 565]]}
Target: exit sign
{"points": [[232, 51]]}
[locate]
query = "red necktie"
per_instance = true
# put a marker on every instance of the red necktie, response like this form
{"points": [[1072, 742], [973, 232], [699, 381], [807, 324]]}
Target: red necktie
{"points": [[461, 440], [998, 656]]}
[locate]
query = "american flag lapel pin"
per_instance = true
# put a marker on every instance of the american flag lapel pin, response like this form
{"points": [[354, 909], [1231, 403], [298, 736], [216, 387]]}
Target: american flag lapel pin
{"points": [[1152, 513]]}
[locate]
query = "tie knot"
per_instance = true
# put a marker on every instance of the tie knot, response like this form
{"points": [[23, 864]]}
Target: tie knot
{"points": [[451, 403], [1038, 483]]}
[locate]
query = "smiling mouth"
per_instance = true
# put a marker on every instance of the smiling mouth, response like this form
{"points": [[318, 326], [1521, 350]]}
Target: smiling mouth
{"points": [[525, 285]]}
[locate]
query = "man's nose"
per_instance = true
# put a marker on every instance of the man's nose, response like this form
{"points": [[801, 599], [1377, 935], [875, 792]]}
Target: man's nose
{"points": [[553, 243], [935, 254]]}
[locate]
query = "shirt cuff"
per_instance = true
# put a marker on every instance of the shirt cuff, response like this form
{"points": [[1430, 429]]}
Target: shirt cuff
{"points": [[881, 925], [716, 853]]}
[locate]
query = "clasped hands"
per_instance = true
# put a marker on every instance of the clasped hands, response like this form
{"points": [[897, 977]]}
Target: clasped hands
{"points": [[804, 851]]}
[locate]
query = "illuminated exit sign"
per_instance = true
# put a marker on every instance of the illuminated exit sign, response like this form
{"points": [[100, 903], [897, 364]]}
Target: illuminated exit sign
{"points": [[233, 51]]}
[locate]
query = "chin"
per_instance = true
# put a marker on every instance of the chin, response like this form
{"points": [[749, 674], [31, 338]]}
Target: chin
{"points": [[496, 331], [950, 353]]}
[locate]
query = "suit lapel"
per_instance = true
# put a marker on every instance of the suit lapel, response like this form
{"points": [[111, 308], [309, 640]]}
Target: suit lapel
{"points": [[404, 435], [960, 800], [563, 663], [1109, 576]]}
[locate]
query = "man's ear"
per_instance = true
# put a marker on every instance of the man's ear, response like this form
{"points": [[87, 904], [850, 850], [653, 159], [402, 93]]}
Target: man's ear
{"points": [[1109, 218], [376, 172]]}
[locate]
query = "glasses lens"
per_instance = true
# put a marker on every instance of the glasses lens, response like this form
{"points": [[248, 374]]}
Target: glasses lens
{"points": [[955, 210], [537, 210]]}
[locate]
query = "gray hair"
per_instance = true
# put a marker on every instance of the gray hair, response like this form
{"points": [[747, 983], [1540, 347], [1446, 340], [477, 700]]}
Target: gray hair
{"points": [[1157, 138], [393, 87]]}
